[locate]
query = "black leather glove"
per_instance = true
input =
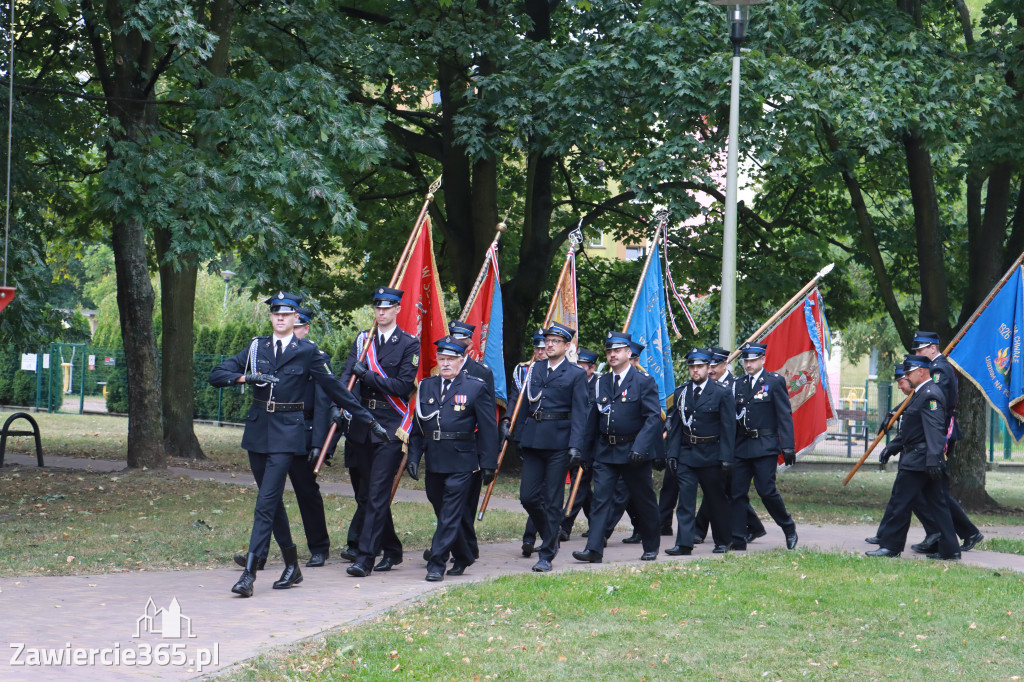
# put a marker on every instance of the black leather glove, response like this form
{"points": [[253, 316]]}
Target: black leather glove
{"points": [[726, 469], [486, 476], [506, 429], [885, 455], [636, 459], [788, 456], [379, 431], [414, 470], [658, 464], [586, 465], [336, 415], [360, 368], [935, 473], [673, 464], [261, 379], [885, 421], [575, 458], [314, 455]]}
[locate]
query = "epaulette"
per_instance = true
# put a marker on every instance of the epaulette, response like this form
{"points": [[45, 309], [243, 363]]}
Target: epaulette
{"points": [[476, 379]]}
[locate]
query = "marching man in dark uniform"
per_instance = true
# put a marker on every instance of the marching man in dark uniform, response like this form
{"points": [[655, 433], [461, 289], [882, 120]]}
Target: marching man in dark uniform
{"points": [[621, 431], [587, 359], [463, 331], [551, 437], [922, 440], [518, 382], [275, 430], [456, 429], [719, 372], [701, 436], [386, 379], [765, 429]]}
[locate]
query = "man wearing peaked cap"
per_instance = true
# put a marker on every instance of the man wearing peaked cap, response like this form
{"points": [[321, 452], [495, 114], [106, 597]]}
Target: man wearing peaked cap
{"points": [[279, 367], [701, 434], [551, 437], [463, 332], [764, 429], [456, 431], [386, 379], [587, 359], [922, 461], [943, 374], [518, 381], [622, 426]]}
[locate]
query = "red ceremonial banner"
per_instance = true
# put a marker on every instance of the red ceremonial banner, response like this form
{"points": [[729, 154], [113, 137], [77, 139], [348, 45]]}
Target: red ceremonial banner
{"points": [[796, 351], [422, 313]]}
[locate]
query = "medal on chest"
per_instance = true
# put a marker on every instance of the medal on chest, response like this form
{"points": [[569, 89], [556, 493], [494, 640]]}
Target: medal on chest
{"points": [[460, 403]]}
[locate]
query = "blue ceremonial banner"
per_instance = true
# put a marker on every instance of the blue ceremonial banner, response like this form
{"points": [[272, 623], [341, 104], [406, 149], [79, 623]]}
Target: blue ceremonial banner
{"points": [[494, 351], [989, 353], [648, 326]]}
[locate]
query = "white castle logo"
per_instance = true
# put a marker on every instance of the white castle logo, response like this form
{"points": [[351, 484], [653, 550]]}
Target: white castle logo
{"points": [[169, 623]]}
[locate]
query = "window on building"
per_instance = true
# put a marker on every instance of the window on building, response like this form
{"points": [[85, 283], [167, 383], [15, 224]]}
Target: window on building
{"points": [[635, 252], [596, 240]]}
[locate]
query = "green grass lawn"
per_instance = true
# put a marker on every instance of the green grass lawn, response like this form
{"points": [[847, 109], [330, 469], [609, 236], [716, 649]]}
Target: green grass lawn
{"points": [[61, 523], [768, 616]]}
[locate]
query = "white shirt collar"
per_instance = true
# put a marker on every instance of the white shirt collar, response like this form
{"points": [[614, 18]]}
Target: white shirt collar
{"points": [[755, 377], [622, 377], [554, 367], [386, 334], [285, 340], [918, 387], [701, 386]]}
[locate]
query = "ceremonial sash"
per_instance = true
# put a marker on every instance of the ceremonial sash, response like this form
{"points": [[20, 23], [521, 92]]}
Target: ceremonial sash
{"points": [[402, 407]]}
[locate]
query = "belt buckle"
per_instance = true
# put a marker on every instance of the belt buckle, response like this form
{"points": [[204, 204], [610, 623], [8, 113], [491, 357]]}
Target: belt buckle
{"points": [[611, 439], [271, 406], [437, 435], [693, 439], [373, 403]]}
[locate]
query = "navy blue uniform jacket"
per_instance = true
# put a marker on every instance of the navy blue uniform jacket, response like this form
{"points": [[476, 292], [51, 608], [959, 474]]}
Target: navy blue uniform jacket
{"points": [[633, 414], [562, 391], [923, 429], [400, 361], [468, 407], [714, 414], [284, 431], [768, 410]]}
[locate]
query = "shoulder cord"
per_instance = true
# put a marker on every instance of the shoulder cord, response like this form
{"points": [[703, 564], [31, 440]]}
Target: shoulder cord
{"points": [[529, 387]]}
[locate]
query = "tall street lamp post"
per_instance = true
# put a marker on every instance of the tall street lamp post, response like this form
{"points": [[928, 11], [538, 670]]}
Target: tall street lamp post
{"points": [[227, 275], [738, 14]]}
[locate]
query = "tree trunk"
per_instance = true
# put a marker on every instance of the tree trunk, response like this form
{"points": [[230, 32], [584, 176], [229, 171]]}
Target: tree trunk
{"points": [[135, 300], [177, 307], [968, 464]]}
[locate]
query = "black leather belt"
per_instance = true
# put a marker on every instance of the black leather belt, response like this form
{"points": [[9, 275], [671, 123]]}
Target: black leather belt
{"points": [[760, 433], [613, 439], [700, 439], [271, 406], [377, 404], [452, 435], [542, 416]]}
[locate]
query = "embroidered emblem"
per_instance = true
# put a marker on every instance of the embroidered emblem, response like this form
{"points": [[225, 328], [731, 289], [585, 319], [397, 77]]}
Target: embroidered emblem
{"points": [[415, 360], [430, 402], [933, 405]]}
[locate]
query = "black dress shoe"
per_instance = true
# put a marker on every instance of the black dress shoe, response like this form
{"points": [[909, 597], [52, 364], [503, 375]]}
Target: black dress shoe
{"points": [[563, 535], [435, 576], [633, 539], [358, 570], [720, 549], [261, 563], [527, 549], [873, 540], [426, 554], [542, 566], [291, 574], [585, 534], [317, 560], [882, 551], [676, 550], [791, 541], [349, 554], [667, 531], [648, 556], [245, 582], [387, 563], [738, 547], [940, 557], [970, 542], [753, 535], [929, 545], [588, 555], [699, 540], [458, 568]]}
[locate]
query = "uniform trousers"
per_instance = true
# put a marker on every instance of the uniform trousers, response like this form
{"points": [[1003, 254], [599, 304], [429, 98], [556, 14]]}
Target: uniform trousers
{"points": [[311, 505], [380, 464], [583, 497], [469, 512], [355, 526], [762, 471], [711, 481], [905, 490], [447, 493], [639, 485], [703, 520], [668, 501], [541, 491], [269, 517]]}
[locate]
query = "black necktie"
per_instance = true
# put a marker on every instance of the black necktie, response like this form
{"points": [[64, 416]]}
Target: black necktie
{"points": [[615, 386], [445, 384], [277, 353], [696, 394], [380, 340]]}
